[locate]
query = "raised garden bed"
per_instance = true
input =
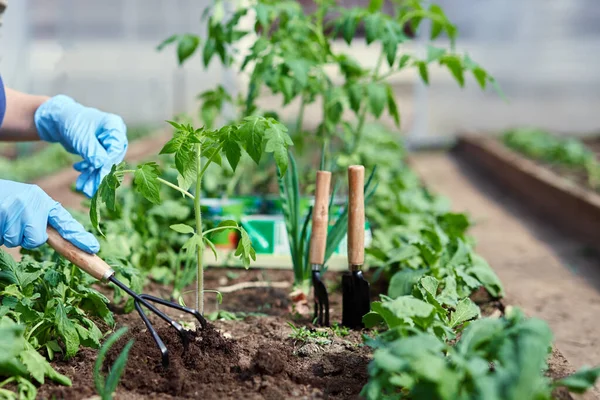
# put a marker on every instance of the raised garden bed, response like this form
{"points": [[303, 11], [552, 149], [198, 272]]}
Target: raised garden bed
{"points": [[253, 357], [556, 198]]}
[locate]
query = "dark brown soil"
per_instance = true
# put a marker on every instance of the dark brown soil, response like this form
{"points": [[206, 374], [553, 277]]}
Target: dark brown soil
{"points": [[253, 358]]}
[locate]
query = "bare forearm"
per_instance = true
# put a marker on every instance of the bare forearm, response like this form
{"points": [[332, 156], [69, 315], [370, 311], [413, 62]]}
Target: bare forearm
{"points": [[19, 122]]}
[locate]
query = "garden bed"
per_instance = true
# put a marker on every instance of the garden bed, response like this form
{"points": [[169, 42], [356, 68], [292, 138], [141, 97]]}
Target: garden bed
{"points": [[557, 198], [253, 357]]}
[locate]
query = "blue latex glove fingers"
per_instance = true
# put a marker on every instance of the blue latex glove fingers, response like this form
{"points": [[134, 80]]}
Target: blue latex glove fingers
{"points": [[26, 211], [99, 138], [71, 230]]}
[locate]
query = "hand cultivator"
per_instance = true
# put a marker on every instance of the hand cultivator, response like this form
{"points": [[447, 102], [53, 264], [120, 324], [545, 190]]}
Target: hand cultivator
{"points": [[100, 270], [356, 301], [318, 243]]}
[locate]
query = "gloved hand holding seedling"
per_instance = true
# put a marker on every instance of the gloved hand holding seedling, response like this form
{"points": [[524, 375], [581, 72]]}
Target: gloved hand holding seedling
{"points": [[194, 150]]}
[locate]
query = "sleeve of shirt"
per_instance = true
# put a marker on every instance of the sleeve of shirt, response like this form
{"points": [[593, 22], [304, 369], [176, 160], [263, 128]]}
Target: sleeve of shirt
{"points": [[2, 101]]}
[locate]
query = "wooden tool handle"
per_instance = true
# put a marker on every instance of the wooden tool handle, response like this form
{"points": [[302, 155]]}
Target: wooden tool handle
{"points": [[356, 215], [320, 218], [90, 263]]}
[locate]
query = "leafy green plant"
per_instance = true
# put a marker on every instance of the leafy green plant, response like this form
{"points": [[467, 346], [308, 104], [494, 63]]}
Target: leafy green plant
{"points": [[194, 150], [106, 387], [292, 52], [501, 358], [303, 334], [53, 300]]}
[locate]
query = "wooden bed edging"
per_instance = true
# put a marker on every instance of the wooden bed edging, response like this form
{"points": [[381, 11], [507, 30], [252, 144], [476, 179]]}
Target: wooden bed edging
{"points": [[560, 201]]}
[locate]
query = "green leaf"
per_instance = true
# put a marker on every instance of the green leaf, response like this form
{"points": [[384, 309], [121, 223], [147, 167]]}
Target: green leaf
{"points": [[251, 132], [245, 251], [145, 181], [434, 53], [484, 274], [99, 381], [423, 72], [67, 331], [403, 281], [117, 369], [375, 5], [232, 152], [209, 50], [277, 141], [228, 224], [480, 76], [166, 42], [392, 106], [465, 310], [410, 308], [299, 68], [212, 247], [187, 46], [372, 27], [580, 381], [455, 66], [39, 368], [182, 228], [377, 94], [349, 25], [106, 193]]}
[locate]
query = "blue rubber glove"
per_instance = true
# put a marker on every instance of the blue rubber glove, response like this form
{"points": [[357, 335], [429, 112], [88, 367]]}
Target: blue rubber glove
{"points": [[100, 138], [26, 211]]}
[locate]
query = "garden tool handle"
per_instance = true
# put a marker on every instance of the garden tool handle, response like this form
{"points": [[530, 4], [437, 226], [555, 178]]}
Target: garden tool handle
{"points": [[356, 216], [320, 218], [90, 263]]}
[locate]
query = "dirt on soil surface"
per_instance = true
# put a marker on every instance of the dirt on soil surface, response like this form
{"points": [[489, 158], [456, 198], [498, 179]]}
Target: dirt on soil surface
{"points": [[544, 272], [252, 358]]}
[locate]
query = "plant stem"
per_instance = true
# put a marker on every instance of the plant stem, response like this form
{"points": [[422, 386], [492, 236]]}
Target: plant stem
{"points": [[300, 116], [363, 114], [200, 245], [180, 190]]}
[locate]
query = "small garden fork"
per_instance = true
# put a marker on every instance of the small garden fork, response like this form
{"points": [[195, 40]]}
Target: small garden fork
{"points": [[96, 267]]}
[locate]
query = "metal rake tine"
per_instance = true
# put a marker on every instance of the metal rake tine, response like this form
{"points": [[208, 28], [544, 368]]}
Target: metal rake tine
{"points": [[176, 306], [161, 345]]}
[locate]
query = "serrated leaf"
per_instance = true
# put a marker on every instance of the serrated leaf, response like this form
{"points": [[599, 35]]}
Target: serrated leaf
{"points": [[277, 141], [465, 310], [372, 27], [251, 132], [245, 251], [187, 45], [233, 152], [182, 228], [39, 368], [145, 182], [67, 331], [403, 281], [377, 95], [480, 76]]}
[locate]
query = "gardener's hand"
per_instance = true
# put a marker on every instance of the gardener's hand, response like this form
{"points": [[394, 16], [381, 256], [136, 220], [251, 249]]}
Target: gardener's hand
{"points": [[100, 138], [26, 211]]}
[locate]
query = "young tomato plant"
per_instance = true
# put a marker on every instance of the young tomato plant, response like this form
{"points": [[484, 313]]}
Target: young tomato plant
{"points": [[193, 151]]}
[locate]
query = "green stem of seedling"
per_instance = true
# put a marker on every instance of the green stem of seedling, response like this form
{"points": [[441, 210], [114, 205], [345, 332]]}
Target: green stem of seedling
{"points": [[363, 114], [180, 190], [203, 170], [219, 228], [200, 246], [300, 116]]}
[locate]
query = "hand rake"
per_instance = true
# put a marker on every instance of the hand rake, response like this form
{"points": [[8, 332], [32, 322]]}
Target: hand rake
{"points": [[96, 267], [356, 301], [318, 243]]}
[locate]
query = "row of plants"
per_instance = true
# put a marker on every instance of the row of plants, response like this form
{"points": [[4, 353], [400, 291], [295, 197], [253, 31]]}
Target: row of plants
{"points": [[568, 153], [428, 342]]}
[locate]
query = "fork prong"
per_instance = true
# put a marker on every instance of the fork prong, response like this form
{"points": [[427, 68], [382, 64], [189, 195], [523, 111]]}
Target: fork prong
{"points": [[321, 299], [176, 306], [159, 343]]}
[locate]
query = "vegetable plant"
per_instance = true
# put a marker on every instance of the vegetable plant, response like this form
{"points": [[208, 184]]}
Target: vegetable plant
{"points": [[292, 54], [106, 387], [194, 150]]}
